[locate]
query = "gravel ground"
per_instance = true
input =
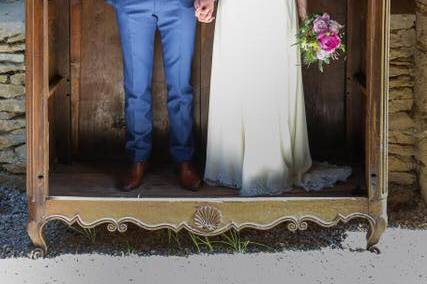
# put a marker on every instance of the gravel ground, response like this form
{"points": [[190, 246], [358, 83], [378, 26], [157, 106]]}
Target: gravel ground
{"points": [[403, 261], [62, 239], [317, 255]]}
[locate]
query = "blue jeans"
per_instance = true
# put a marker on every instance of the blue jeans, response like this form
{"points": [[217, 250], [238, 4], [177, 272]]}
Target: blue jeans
{"points": [[138, 21]]}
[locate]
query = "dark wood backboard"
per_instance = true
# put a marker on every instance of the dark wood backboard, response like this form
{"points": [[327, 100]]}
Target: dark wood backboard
{"points": [[101, 126], [334, 104]]}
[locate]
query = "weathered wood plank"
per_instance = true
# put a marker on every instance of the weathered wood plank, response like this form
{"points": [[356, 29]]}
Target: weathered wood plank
{"points": [[355, 73], [59, 52], [36, 90], [75, 69], [207, 38], [403, 7], [377, 92], [101, 98], [100, 179], [325, 96]]}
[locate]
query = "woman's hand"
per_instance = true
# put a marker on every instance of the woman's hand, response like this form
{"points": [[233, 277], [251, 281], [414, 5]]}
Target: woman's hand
{"points": [[303, 15], [302, 9], [205, 10]]}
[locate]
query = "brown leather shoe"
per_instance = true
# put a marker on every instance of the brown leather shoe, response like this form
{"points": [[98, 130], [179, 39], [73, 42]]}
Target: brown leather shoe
{"points": [[136, 177], [189, 176]]}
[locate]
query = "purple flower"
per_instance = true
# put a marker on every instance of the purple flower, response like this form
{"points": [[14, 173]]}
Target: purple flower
{"points": [[334, 27], [329, 42], [326, 17], [320, 25]]}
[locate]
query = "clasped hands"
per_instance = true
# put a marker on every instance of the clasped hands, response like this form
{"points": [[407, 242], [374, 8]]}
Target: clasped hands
{"points": [[205, 10]]}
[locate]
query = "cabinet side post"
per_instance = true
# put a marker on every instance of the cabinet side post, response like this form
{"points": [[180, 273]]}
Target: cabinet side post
{"points": [[37, 88], [377, 123]]}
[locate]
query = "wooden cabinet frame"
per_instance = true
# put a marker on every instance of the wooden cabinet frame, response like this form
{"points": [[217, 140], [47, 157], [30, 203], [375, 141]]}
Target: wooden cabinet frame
{"points": [[201, 216]]}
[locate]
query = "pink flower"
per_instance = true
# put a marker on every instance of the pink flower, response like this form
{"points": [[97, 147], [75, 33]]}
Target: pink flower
{"points": [[329, 42]]}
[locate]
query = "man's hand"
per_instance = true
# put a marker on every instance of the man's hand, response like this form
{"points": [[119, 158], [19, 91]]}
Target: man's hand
{"points": [[205, 10]]}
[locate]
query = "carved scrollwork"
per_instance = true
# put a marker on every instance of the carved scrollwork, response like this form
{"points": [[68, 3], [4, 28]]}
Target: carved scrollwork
{"points": [[111, 227], [35, 232], [207, 221], [297, 225], [37, 253], [120, 227], [207, 218]]}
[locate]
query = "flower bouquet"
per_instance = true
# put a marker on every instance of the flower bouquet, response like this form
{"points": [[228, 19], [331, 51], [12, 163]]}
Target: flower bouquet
{"points": [[321, 40]]}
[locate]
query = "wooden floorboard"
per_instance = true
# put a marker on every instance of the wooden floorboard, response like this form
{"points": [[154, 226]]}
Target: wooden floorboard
{"points": [[87, 179]]}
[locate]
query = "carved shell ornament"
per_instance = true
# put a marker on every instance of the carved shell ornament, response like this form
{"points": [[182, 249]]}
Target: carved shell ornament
{"points": [[207, 218]]}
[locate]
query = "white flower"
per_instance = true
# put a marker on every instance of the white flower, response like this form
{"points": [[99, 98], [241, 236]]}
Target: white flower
{"points": [[322, 55]]}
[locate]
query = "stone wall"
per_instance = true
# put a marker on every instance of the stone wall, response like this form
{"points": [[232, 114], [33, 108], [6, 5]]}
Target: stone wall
{"points": [[402, 133], [12, 104]]}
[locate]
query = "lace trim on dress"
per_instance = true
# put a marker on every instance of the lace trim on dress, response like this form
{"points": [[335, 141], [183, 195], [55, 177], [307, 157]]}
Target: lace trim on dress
{"points": [[324, 175], [320, 176], [222, 181]]}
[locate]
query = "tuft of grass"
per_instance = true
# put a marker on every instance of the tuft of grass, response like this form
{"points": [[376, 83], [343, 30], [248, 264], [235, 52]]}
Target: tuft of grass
{"points": [[237, 244], [130, 249], [172, 235], [231, 240], [200, 242], [88, 233]]}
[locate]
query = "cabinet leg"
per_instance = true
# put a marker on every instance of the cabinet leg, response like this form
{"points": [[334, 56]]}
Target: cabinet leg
{"points": [[35, 231], [375, 232]]}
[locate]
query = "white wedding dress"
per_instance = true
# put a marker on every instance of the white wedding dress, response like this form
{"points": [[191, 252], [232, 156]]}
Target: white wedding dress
{"points": [[257, 132]]}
